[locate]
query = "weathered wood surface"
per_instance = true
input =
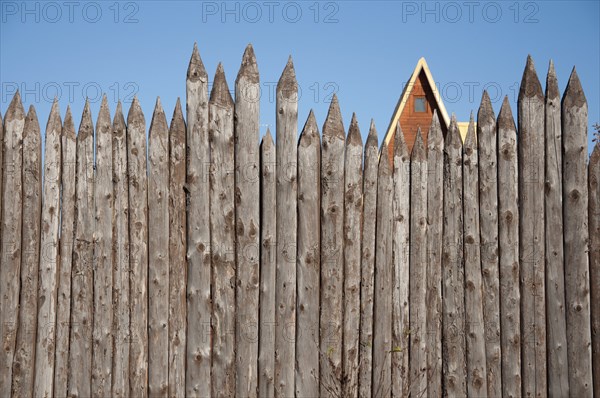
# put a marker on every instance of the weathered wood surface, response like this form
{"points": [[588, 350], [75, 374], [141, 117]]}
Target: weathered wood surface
{"points": [[488, 222], [67, 229], [222, 235], [49, 258], [102, 335], [531, 231], [353, 206], [367, 266], [14, 122], [166, 315], [174, 279], [556, 328], [594, 228], [453, 291], [474, 331], [384, 274], [23, 375], [435, 208], [508, 243], [285, 286], [332, 252], [80, 343], [308, 263], [575, 212], [418, 268], [247, 223], [199, 307], [268, 258], [1, 174], [138, 250], [401, 259], [120, 366]]}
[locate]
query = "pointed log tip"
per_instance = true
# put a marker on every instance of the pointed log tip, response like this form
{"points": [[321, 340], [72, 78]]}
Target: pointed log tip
{"points": [[595, 156], [68, 129], [249, 67], [118, 119], [196, 70], [54, 120], [334, 126], [287, 86], [135, 112], [104, 114], [267, 141], [220, 94], [552, 90], [486, 110], [470, 137], [530, 83], [435, 138], [15, 108], [178, 110], [354, 136], [372, 139], [32, 125], [158, 106], [419, 153], [309, 131], [177, 126], [574, 95], [453, 139], [505, 118], [384, 159], [400, 146]]}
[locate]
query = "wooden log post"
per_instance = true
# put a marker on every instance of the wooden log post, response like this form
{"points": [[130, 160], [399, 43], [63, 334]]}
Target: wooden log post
{"points": [[23, 372], [268, 258], [531, 232], [120, 366], [170, 305], [247, 223], [198, 379], [453, 291], [575, 212], [332, 252], [67, 229], [138, 250], [367, 266], [308, 263], [14, 123], [287, 222], [488, 228], [102, 347], [474, 331], [80, 342], [384, 270], [594, 227], [165, 304], [49, 258], [401, 268], [222, 235], [508, 244], [1, 175], [556, 328], [435, 206], [418, 268], [353, 206]]}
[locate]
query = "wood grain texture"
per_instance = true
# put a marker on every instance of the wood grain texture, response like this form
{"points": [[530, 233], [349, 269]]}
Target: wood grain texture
{"points": [[138, 250], [102, 347], [23, 375], [247, 223], [418, 268], [222, 235], [14, 122], [401, 270], [308, 263], [286, 143], [353, 206], [384, 272], [594, 227], [268, 262], [67, 230], [49, 258], [367, 266], [80, 342], [556, 328], [475, 332], [435, 208], [453, 291], [332, 252], [488, 222], [575, 213], [199, 307], [531, 231], [120, 178], [508, 243]]}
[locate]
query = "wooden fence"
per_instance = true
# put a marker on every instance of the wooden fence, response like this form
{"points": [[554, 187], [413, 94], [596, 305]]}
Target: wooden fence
{"points": [[201, 263]]}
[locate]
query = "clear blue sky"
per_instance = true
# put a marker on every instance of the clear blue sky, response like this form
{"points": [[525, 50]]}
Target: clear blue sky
{"points": [[363, 50]]}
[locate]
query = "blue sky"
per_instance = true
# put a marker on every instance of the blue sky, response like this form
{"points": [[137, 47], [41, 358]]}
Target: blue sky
{"points": [[363, 50]]}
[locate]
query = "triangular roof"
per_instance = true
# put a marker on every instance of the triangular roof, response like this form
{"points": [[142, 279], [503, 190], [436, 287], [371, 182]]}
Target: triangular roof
{"points": [[443, 114]]}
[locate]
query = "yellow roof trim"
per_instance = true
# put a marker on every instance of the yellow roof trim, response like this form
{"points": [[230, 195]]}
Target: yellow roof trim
{"points": [[421, 66]]}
